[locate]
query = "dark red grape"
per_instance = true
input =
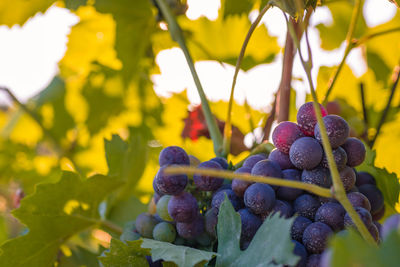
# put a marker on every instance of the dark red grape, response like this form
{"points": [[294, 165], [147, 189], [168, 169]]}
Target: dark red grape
{"points": [[306, 205], [211, 221], [313, 260], [307, 119], [300, 251], [173, 155], [340, 156], [285, 134], [183, 208], [391, 224], [364, 178], [364, 215], [348, 177], [205, 182], [240, 186], [145, 224], [259, 198], [333, 107], [319, 176], [250, 224], [315, 237], [374, 196], [379, 214], [306, 153], [357, 199], [252, 160], [298, 227], [222, 162], [192, 229], [355, 151], [332, 214], [281, 158], [219, 197], [170, 184], [337, 129], [288, 193]]}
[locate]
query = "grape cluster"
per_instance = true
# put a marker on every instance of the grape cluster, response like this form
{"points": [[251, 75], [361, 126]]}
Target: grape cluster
{"points": [[187, 207]]}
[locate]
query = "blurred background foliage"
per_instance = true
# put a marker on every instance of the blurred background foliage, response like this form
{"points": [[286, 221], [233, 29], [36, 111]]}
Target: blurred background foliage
{"points": [[102, 100]]}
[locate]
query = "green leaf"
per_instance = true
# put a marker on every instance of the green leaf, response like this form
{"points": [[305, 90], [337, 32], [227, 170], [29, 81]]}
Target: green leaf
{"points": [[180, 255], [79, 257], [74, 4], [121, 254], [54, 213], [351, 250], [19, 11], [237, 7], [273, 236], [378, 66], [288, 6]]}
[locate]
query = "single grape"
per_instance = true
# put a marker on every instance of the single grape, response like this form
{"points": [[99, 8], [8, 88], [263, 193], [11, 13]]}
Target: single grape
{"points": [[240, 186], [211, 221], [173, 155], [364, 178], [281, 158], [156, 197], [300, 223], [306, 153], [250, 224], [285, 134], [145, 224], [307, 119], [373, 230], [315, 237], [155, 188], [205, 182], [374, 196], [192, 229], [355, 151], [364, 215], [348, 177], [319, 176], [379, 214], [337, 129], [162, 208], [313, 260], [130, 226], [244, 244], [288, 193], [306, 205], [391, 224], [183, 208], [129, 236], [221, 161], [300, 251], [340, 157], [353, 189], [252, 160], [378, 226], [152, 263], [357, 199], [164, 232], [259, 198], [332, 214], [283, 208], [267, 168], [170, 184], [219, 197]]}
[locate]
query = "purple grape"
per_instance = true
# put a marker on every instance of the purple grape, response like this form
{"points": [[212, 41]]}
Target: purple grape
{"points": [[326, 258], [240, 186], [145, 224], [173, 155], [283, 208], [205, 182], [288, 193], [357, 199], [355, 151], [379, 214], [313, 260], [307, 119], [391, 224], [267, 168], [170, 184], [306, 153], [378, 226], [221, 161], [364, 215], [281, 158], [219, 197], [332, 214], [156, 197], [348, 177], [315, 237], [155, 188], [250, 224], [373, 230], [306, 205], [364, 178], [152, 263], [285, 134], [300, 251], [252, 160], [259, 198], [192, 229], [298, 227], [340, 157], [319, 176], [211, 221], [374, 196], [194, 161], [183, 208], [337, 129]]}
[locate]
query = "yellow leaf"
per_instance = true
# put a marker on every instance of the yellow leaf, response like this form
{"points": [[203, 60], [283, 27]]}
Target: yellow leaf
{"points": [[19, 11]]}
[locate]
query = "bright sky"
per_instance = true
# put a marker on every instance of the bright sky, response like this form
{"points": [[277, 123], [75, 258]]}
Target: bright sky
{"points": [[29, 56]]}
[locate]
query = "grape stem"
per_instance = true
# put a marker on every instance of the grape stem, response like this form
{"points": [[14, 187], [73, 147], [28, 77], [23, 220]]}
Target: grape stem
{"points": [[226, 144], [338, 188], [318, 190], [176, 34]]}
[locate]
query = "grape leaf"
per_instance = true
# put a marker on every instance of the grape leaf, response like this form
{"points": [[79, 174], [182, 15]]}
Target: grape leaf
{"points": [[53, 214], [180, 255], [351, 250], [74, 4], [272, 237], [121, 254], [378, 66], [19, 11], [78, 257], [235, 7]]}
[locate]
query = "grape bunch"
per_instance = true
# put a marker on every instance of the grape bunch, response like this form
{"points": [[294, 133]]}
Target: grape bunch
{"points": [[187, 207]]}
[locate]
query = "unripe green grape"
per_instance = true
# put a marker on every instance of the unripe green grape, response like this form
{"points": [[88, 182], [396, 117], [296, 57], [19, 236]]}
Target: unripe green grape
{"points": [[162, 208], [128, 235], [164, 232]]}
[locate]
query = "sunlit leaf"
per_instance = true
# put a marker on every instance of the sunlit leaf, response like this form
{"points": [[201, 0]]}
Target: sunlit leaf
{"points": [[19, 11]]}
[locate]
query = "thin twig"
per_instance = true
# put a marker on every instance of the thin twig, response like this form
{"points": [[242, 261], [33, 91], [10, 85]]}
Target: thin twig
{"points": [[270, 120], [365, 112]]}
